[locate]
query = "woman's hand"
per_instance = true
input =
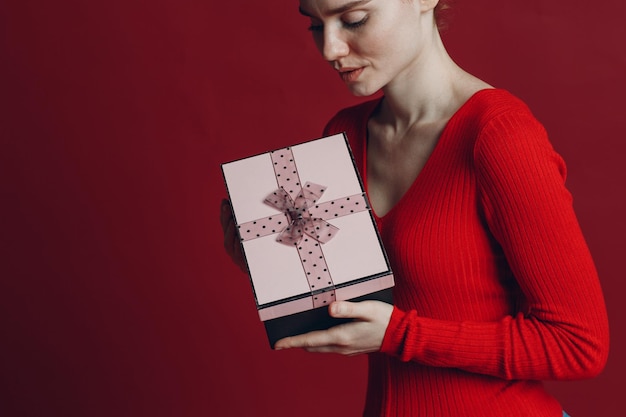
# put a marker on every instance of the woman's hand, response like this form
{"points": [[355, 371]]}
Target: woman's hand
{"points": [[363, 335], [231, 238]]}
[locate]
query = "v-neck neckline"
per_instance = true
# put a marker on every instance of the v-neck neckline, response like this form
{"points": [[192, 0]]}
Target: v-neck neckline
{"points": [[433, 156]]}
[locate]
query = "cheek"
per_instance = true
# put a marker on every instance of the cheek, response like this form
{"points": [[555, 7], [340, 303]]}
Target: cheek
{"points": [[380, 45], [403, 45], [397, 33]]}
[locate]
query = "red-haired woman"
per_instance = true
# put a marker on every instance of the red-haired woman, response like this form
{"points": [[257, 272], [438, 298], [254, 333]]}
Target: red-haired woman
{"points": [[495, 287]]}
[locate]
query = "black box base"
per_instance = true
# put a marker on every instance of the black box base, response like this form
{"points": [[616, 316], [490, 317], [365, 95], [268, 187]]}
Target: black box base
{"points": [[317, 319]]}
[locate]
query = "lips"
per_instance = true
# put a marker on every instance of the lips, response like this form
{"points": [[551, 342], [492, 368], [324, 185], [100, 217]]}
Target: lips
{"points": [[350, 74]]}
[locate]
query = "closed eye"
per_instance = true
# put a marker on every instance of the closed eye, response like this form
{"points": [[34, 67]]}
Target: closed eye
{"points": [[348, 25], [357, 24]]}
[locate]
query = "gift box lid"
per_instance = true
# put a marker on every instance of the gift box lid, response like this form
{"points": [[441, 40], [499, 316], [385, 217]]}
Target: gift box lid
{"points": [[312, 185]]}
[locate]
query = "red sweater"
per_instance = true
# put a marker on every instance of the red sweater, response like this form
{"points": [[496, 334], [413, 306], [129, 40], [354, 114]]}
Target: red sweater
{"points": [[495, 286]]}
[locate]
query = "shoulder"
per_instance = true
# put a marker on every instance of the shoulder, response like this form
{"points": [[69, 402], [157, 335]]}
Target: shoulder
{"points": [[351, 119], [485, 106], [498, 117], [508, 135]]}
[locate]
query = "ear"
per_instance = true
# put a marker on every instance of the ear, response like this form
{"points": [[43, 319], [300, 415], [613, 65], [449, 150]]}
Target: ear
{"points": [[427, 5]]}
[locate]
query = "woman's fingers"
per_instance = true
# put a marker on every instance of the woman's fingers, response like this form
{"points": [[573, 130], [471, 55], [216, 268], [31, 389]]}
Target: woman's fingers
{"points": [[231, 238], [363, 335], [226, 216], [364, 310], [345, 309], [311, 340]]}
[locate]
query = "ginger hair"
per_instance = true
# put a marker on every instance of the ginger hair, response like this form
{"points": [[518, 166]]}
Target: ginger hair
{"points": [[441, 13]]}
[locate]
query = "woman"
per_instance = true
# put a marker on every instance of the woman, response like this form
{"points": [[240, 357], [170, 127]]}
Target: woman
{"points": [[495, 287]]}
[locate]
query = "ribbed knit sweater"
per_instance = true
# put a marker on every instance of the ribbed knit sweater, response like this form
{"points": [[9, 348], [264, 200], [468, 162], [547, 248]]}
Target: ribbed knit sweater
{"points": [[495, 286]]}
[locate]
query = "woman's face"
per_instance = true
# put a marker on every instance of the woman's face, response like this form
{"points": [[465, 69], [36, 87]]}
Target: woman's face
{"points": [[370, 43]]}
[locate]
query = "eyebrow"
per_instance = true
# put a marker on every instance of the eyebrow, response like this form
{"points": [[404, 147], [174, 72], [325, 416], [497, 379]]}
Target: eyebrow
{"points": [[337, 10]]}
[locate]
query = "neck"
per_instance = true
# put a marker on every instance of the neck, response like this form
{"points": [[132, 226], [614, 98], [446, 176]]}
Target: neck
{"points": [[426, 90]]}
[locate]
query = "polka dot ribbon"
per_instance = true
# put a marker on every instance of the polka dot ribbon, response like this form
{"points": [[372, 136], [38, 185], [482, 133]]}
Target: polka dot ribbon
{"points": [[302, 222], [300, 219]]}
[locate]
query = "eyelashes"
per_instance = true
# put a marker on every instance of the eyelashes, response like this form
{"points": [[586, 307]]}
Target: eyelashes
{"points": [[357, 24], [347, 25]]}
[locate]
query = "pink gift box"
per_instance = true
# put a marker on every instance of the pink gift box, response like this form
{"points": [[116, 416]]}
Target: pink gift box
{"points": [[307, 234]]}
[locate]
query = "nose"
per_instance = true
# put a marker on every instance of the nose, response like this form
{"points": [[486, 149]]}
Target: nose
{"points": [[333, 46]]}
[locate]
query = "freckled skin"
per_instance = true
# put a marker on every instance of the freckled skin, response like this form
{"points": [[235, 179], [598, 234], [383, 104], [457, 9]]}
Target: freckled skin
{"points": [[393, 46]]}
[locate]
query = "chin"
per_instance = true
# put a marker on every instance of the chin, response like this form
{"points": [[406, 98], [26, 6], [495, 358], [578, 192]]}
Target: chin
{"points": [[362, 91]]}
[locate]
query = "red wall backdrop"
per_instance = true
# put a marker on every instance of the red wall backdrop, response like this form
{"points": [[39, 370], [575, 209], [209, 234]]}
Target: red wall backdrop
{"points": [[116, 298]]}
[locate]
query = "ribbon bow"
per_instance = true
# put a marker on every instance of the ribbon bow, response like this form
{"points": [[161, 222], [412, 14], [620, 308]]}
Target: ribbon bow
{"points": [[301, 221]]}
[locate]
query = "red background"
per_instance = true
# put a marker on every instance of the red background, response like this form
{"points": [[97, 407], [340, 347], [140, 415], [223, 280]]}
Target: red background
{"points": [[116, 298]]}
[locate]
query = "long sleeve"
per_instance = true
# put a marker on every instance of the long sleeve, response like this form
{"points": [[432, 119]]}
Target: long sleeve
{"points": [[495, 287], [562, 330]]}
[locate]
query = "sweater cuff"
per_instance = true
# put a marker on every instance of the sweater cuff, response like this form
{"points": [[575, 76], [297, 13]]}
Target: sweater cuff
{"points": [[391, 342]]}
